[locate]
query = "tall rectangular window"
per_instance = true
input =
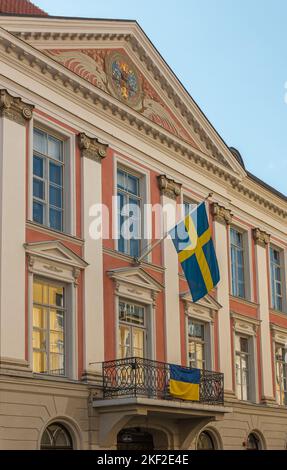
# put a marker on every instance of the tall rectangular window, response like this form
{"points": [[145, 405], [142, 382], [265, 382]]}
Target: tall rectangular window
{"points": [[237, 263], [281, 374], [132, 330], [188, 206], [129, 212], [48, 328], [276, 279], [196, 344], [242, 367], [48, 180]]}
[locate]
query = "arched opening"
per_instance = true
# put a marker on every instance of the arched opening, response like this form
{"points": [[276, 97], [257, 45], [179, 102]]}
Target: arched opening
{"points": [[56, 437], [254, 442], [206, 441], [135, 439]]}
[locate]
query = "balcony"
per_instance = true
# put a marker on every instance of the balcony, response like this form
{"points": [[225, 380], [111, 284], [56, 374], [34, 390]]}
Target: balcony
{"points": [[135, 377]]}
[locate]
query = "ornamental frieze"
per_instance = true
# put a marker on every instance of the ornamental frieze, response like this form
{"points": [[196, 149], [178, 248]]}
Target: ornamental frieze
{"points": [[112, 71]]}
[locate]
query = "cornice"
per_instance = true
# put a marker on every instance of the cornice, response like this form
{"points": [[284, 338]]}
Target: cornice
{"points": [[91, 148], [14, 108], [221, 214], [261, 237], [67, 81], [168, 187]]}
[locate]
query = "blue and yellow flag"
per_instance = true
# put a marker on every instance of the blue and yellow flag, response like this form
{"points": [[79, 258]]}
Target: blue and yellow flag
{"points": [[193, 243], [184, 383]]}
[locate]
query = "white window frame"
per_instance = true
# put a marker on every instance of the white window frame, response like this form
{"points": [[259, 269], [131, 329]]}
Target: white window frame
{"points": [[247, 261], [206, 341], [146, 222], [247, 327], [283, 277], [69, 181], [145, 328]]}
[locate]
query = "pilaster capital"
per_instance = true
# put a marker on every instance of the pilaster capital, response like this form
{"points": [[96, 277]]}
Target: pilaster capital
{"points": [[168, 187], [221, 214], [91, 148], [14, 108], [260, 237]]}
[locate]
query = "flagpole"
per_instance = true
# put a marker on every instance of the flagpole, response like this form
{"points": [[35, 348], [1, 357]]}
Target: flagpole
{"points": [[138, 261]]}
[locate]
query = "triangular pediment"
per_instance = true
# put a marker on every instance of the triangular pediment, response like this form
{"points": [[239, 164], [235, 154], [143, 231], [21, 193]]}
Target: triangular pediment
{"points": [[55, 251], [136, 276], [207, 302], [117, 58]]}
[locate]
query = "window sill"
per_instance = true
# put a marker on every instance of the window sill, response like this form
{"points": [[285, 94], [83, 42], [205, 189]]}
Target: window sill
{"points": [[56, 233], [54, 378], [280, 313], [243, 301]]}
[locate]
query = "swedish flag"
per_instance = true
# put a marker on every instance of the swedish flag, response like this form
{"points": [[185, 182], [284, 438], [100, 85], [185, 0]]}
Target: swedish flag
{"points": [[193, 243]]}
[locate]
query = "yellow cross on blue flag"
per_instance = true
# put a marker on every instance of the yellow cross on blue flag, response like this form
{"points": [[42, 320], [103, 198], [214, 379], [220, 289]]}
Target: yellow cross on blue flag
{"points": [[193, 242]]}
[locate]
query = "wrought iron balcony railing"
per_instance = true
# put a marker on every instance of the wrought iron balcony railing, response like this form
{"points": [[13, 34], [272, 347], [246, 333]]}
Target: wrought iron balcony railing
{"points": [[137, 377]]}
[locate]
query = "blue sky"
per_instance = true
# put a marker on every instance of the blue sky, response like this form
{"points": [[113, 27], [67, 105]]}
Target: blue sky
{"points": [[231, 55]]}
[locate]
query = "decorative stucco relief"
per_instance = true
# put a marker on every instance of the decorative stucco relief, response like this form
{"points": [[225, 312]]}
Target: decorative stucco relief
{"points": [[112, 71]]}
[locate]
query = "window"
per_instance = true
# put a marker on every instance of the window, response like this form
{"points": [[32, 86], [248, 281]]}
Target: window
{"points": [[188, 206], [281, 374], [237, 263], [132, 330], [129, 212], [56, 437], [242, 364], [196, 344], [205, 441], [48, 328], [48, 180], [276, 279]]}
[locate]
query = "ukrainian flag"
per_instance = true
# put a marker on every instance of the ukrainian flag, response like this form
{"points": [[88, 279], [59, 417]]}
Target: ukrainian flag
{"points": [[184, 383], [193, 243]]}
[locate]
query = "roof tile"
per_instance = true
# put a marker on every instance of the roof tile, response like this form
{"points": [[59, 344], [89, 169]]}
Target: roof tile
{"points": [[20, 7]]}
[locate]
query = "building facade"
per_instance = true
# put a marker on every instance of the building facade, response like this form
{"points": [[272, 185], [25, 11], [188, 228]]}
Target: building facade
{"points": [[92, 117]]}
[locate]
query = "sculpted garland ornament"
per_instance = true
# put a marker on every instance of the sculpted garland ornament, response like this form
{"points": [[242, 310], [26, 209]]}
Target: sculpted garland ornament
{"points": [[124, 80]]}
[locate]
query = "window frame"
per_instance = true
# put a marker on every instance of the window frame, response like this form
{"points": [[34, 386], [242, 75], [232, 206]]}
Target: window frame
{"points": [[247, 354], [126, 164], [69, 178], [284, 367], [132, 326], [205, 342], [282, 282], [48, 307]]}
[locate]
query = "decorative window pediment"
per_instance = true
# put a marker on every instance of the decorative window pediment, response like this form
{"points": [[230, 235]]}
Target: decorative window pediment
{"points": [[279, 333], [54, 259], [135, 283], [245, 325], [204, 309]]}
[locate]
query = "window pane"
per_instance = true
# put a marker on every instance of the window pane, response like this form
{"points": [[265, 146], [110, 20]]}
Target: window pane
{"points": [[39, 362], [57, 321], [57, 364], [121, 179], [55, 219], [55, 196], [40, 141], [39, 340], [124, 342], [55, 148], [38, 212], [57, 342], [38, 189], [38, 166], [138, 343], [56, 296], [39, 318], [133, 185], [56, 174], [131, 313]]}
